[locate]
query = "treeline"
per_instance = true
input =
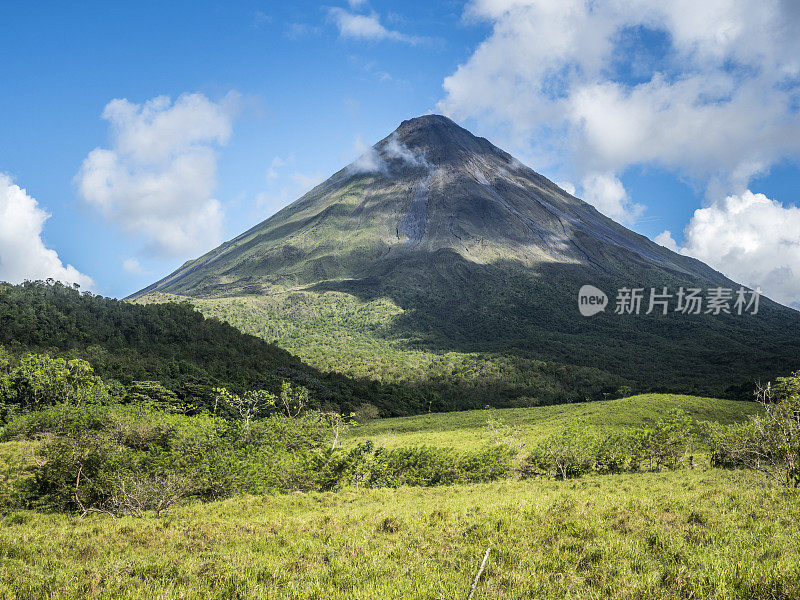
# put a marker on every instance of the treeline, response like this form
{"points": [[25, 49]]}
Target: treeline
{"points": [[190, 355], [174, 345], [340, 333]]}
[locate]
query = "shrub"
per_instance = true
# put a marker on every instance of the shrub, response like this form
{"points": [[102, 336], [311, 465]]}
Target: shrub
{"points": [[770, 442], [611, 454], [366, 413], [569, 456]]}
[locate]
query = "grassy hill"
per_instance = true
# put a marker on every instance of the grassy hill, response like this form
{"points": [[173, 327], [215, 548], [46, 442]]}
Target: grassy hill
{"points": [[689, 533], [469, 429]]}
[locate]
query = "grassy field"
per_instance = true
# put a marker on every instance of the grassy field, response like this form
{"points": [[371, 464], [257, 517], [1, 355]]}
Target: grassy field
{"points": [[468, 429], [683, 534], [691, 533]]}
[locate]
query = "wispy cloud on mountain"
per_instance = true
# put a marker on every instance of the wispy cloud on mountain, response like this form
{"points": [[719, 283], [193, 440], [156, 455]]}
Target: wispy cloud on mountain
{"points": [[23, 254], [282, 186], [158, 177], [379, 160]]}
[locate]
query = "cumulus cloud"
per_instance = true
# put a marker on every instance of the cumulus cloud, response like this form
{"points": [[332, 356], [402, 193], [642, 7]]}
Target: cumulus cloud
{"points": [[157, 180], [380, 159], [751, 239], [365, 27], [23, 254], [607, 194], [665, 239], [716, 101]]}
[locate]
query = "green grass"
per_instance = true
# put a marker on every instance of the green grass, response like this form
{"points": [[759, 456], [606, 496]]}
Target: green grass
{"points": [[684, 534], [468, 429], [693, 534]]}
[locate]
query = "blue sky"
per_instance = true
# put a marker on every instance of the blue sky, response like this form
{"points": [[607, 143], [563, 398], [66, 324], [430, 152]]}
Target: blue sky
{"points": [[649, 114]]}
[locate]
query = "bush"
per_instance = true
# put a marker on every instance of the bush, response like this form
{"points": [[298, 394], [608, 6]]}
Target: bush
{"points": [[611, 454], [568, 455], [366, 413], [770, 442]]}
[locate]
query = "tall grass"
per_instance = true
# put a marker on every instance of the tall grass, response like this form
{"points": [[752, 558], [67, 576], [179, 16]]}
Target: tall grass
{"points": [[683, 534]]}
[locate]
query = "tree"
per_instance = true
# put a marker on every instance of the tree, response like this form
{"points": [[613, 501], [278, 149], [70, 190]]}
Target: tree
{"points": [[568, 455], [781, 423], [339, 424], [41, 381], [366, 413], [293, 398], [150, 392], [770, 442], [248, 406]]}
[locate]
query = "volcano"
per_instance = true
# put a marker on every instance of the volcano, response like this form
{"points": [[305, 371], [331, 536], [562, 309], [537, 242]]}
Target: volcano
{"points": [[477, 254]]}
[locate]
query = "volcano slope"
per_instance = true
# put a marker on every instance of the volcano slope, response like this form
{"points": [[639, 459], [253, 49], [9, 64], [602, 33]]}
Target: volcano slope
{"points": [[439, 261]]}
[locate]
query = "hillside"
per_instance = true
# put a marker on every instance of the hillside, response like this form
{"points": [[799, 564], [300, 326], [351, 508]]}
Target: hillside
{"points": [[171, 343], [529, 426], [438, 257]]}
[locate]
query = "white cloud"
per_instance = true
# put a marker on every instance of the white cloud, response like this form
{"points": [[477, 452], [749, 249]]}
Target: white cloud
{"points": [[607, 194], [158, 179], [719, 104], [665, 239], [366, 27], [132, 265], [567, 186], [283, 189], [261, 18], [379, 160], [275, 166], [305, 182], [751, 239], [23, 254], [368, 161]]}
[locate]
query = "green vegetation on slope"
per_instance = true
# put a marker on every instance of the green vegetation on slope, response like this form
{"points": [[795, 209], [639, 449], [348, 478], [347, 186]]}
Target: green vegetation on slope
{"points": [[469, 429], [334, 331], [678, 535], [463, 274], [170, 343]]}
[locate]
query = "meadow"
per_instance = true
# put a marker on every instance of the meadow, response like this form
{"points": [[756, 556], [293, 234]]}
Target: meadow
{"points": [[688, 533], [683, 534], [475, 428]]}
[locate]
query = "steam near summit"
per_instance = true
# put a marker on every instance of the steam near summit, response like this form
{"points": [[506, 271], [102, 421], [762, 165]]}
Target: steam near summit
{"points": [[481, 253]]}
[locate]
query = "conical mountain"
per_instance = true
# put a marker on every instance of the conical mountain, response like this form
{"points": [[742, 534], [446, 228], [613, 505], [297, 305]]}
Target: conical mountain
{"points": [[476, 253]]}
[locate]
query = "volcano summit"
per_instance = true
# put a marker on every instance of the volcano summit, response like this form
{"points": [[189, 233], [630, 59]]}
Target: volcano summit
{"points": [[436, 243]]}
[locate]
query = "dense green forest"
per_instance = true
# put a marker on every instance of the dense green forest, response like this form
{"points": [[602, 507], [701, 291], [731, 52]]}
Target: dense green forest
{"points": [[175, 345], [172, 344]]}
